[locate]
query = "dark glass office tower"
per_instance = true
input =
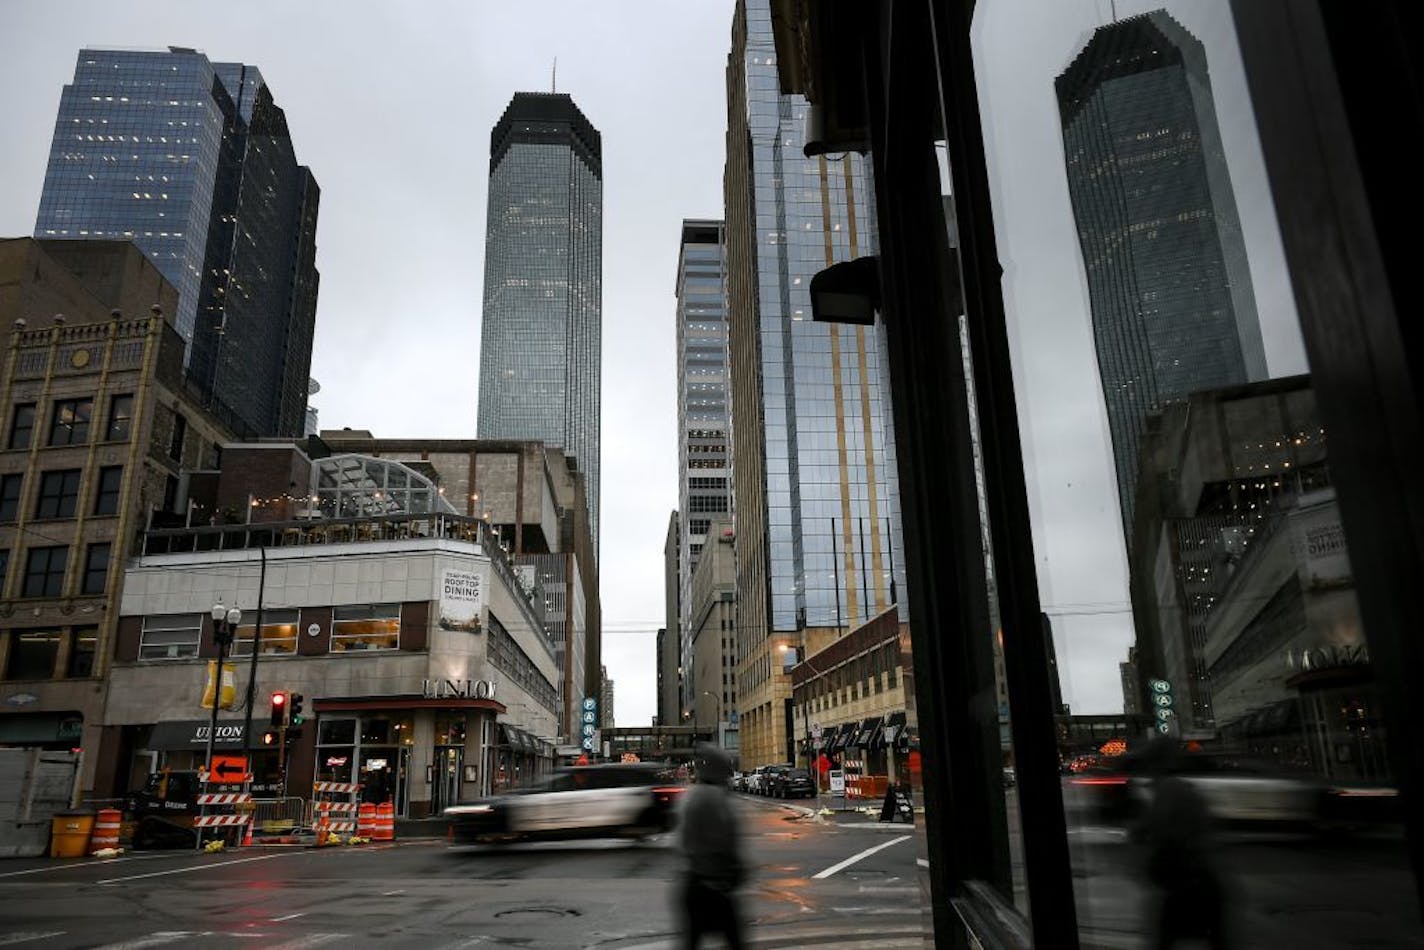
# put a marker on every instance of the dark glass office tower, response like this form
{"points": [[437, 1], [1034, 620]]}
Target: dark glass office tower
{"points": [[541, 335], [1168, 282], [193, 162]]}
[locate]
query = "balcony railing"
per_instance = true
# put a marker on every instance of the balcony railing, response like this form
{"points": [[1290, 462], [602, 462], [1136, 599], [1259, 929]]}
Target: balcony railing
{"points": [[280, 534]]}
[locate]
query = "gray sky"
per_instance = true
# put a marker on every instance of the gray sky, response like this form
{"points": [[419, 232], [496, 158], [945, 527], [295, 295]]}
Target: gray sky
{"points": [[392, 110], [391, 105]]}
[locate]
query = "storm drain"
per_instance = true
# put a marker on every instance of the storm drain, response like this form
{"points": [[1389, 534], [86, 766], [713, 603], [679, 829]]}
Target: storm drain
{"points": [[525, 913]]}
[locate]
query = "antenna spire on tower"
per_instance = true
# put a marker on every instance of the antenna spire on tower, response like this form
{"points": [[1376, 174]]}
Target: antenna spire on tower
{"points": [[554, 76]]}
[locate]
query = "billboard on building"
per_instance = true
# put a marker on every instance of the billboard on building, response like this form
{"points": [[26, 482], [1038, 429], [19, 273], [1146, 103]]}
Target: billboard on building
{"points": [[461, 596]]}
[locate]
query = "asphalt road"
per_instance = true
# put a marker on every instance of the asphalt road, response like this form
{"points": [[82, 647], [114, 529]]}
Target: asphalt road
{"points": [[818, 883]]}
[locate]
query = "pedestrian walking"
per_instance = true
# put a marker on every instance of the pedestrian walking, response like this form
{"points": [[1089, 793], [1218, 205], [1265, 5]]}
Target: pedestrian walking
{"points": [[710, 840]]}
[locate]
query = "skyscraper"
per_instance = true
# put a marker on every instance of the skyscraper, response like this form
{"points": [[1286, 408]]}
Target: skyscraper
{"points": [[1168, 282], [541, 336], [193, 162], [816, 493], [704, 441]]}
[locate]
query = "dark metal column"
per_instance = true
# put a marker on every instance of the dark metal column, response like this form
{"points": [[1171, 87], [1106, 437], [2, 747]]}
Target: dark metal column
{"points": [[1047, 866], [949, 617]]}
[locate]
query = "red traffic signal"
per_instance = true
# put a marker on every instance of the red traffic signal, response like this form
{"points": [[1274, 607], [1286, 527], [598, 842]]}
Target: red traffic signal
{"points": [[279, 710]]}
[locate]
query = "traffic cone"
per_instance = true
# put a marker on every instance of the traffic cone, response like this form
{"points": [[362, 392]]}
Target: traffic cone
{"points": [[247, 836]]}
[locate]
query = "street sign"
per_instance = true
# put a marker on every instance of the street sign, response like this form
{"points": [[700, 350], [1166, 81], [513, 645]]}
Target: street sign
{"points": [[229, 769], [589, 704], [1163, 700], [837, 782], [1159, 686], [816, 731]]}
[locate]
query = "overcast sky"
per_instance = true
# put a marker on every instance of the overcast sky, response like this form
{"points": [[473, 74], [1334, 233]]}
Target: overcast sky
{"points": [[391, 106]]}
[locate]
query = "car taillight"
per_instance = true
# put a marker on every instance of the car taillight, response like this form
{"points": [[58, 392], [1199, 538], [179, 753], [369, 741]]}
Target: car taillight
{"points": [[668, 793]]}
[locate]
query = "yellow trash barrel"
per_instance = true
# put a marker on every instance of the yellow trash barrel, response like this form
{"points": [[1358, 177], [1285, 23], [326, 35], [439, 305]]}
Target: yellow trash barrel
{"points": [[69, 834]]}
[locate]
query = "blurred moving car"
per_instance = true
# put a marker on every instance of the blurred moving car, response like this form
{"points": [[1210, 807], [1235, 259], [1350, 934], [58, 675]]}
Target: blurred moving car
{"points": [[1236, 790], [792, 783], [633, 800]]}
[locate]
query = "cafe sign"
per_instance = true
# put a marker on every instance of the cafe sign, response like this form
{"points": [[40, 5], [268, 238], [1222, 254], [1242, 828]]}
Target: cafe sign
{"points": [[457, 689]]}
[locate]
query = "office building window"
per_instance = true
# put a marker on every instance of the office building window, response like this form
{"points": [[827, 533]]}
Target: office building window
{"points": [[44, 571], [120, 418], [32, 654], [365, 627], [180, 432], [106, 497], [170, 637], [96, 568], [10, 496], [59, 494], [70, 423], [82, 651], [22, 427], [279, 633]]}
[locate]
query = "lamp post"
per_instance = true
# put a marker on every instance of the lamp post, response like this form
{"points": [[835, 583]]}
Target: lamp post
{"points": [[805, 709], [225, 621]]}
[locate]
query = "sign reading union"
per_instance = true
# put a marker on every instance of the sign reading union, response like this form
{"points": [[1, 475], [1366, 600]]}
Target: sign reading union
{"points": [[457, 689]]}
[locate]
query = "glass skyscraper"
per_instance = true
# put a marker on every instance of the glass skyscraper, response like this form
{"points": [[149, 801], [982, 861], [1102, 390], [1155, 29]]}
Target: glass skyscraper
{"points": [[1168, 282], [541, 335], [816, 494], [192, 161], [703, 413]]}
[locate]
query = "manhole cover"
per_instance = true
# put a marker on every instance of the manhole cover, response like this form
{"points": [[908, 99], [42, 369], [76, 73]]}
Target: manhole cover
{"points": [[522, 912]]}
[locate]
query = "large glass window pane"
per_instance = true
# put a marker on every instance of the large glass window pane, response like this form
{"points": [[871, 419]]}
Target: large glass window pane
{"points": [[366, 627], [69, 424], [170, 637], [58, 494], [1214, 670], [44, 571], [279, 633]]}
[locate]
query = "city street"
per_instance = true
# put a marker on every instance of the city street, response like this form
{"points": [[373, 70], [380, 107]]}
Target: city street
{"points": [[850, 885]]}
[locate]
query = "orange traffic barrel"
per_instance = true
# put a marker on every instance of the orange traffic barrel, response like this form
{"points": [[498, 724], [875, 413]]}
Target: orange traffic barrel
{"points": [[385, 827], [106, 830], [366, 821]]}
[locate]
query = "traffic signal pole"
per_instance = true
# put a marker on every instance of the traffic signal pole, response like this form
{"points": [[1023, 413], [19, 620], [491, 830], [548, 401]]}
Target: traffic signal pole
{"points": [[252, 667]]}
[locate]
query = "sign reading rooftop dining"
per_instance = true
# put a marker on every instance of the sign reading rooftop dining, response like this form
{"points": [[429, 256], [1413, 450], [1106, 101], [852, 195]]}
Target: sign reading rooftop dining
{"points": [[460, 600]]}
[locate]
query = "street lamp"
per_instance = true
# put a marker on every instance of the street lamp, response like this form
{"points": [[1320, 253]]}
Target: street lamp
{"points": [[225, 621], [805, 707]]}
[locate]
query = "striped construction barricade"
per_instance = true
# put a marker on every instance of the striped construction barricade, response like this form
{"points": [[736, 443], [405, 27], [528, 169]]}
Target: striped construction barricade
{"points": [[334, 810], [236, 813]]}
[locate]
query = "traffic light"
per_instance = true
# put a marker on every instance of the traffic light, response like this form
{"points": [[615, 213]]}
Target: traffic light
{"points": [[279, 710], [294, 706], [269, 738]]}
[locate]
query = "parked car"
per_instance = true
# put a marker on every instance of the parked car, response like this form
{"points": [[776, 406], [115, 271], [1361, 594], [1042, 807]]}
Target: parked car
{"points": [[771, 779], [588, 801], [738, 782], [793, 783], [754, 779]]}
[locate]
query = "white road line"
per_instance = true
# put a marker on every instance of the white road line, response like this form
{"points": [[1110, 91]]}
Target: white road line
{"points": [[857, 857], [152, 940], [85, 864], [278, 920], [9, 939], [198, 867], [392, 893], [922, 862]]}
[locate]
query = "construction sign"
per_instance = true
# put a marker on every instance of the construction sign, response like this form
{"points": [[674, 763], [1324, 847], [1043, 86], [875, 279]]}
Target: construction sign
{"points": [[229, 770]]}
